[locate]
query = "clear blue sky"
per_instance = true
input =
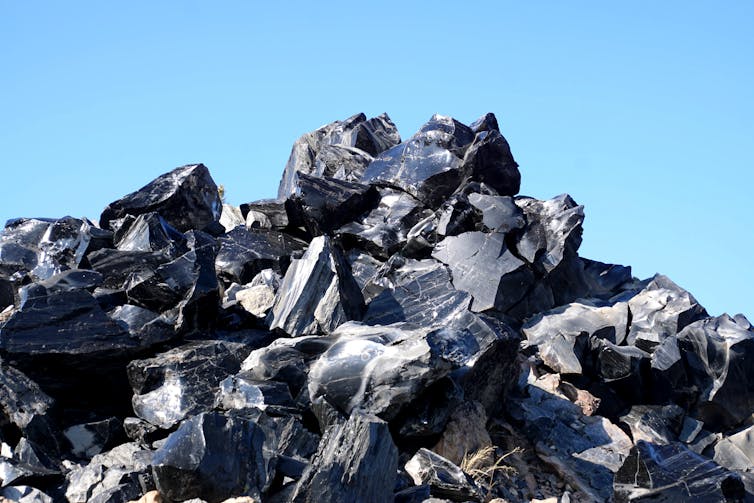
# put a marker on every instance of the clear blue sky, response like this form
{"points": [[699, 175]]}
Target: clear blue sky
{"points": [[643, 111]]}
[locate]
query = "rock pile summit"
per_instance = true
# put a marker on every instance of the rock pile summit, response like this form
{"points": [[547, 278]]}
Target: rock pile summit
{"points": [[398, 325]]}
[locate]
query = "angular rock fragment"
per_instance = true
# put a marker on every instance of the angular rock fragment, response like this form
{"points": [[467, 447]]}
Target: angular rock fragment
{"points": [[660, 310], [120, 474], [381, 369], [265, 214], [718, 357], [43, 247], [187, 198], [231, 217], [736, 451], [245, 253], [286, 360], [214, 456], [430, 411], [562, 335], [148, 232], [499, 213], [457, 216], [24, 494], [317, 293], [674, 473], [242, 392], [322, 204], [23, 404], [68, 322], [90, 439], [384, 230], [408, 288], [585, 450], [355, 462], [444, 478], [258, 296], [553, 230], [355, 139], [654, 423], [183, 381], [482, 265], [429, 165], [465, 433], [605, 280]]}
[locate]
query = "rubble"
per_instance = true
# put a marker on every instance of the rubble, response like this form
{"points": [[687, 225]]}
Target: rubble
{"points": [[398, 325]]}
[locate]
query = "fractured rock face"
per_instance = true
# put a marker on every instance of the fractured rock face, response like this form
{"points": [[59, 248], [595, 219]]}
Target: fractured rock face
{"points": [[187, 198], [183, 381], [215, 456], [674, 473], [429, 165], [355, 462], [317, 293], [340, 150]]}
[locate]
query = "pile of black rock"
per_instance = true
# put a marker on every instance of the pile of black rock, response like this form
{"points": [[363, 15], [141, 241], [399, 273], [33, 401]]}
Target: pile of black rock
{"points": [[398, 325]]}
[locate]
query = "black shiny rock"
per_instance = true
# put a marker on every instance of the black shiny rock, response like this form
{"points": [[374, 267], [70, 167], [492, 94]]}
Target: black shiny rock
{"points": [[183, 381], [24, 406], [68, 322], [429, 165], [147, 232], [214, 457], [318, 292], [285, 360], [357, 461], [553, 228], [499, 213], [408, 288], [489, 160], [482, 265], [430, 411], [145, 325], [384, 230], [119, 268], [669, 473], [605, 280], [187, 198], [445, 479], [718, 354], [89, 439], [258, 213], [243, 392], [245, 253], [457, 215], [341, 150], [322, 204], [381, 369]]}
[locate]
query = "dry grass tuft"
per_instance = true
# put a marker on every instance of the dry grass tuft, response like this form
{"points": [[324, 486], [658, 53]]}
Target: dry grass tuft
{"points": [[482, 466]]}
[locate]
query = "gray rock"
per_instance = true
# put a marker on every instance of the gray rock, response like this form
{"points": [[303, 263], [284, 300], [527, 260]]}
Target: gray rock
{"points": [[408, 287], [384, 230], [245, 253], [355, 462], [122, 472], [482, 265], [231, 217], [24, 494]]}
